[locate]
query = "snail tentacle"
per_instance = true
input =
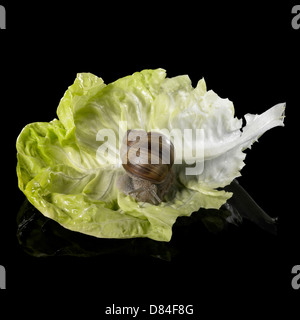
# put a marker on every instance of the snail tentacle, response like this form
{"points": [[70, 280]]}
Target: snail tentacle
{"points": [[155, 196]]}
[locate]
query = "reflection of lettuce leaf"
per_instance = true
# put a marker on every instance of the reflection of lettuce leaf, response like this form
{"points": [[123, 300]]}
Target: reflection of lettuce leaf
{"points": [[60, 174], [215, 220], [40, 236]]}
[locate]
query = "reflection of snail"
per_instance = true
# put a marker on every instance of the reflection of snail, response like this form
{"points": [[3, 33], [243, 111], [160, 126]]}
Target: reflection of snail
{"points": [[148, 159]]}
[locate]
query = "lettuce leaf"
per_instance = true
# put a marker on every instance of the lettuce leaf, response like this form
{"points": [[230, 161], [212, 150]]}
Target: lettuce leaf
{"points": [[61, 174]]}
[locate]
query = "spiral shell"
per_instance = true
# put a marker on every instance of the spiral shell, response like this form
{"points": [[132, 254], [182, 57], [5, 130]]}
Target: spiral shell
{"points": [[147, 155]]}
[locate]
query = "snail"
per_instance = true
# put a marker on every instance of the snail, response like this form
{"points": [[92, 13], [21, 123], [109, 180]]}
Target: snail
{"points": [[147, 158]]}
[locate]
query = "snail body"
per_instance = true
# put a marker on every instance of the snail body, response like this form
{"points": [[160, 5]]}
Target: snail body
{"points": [[147, 158]]}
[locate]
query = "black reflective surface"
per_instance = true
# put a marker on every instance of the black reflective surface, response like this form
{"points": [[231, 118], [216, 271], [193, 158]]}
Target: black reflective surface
{"points": [[248, 53], [40, 236]]}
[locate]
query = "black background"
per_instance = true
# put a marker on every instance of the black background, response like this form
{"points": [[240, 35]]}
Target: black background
{"points": [[246, 52]]}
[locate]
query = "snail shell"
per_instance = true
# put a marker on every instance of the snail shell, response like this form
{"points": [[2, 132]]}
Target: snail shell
{"points": [[148, 156]]}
